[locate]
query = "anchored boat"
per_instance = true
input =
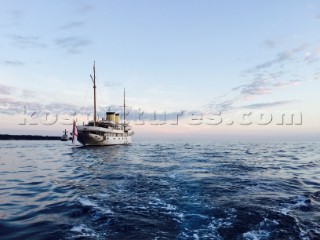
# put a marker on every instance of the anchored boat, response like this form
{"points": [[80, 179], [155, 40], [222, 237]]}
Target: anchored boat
{"points": [[64, 137], [108, 131]]}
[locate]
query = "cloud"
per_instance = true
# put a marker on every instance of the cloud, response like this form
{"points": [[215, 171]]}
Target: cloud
{"points": [[6, 90], [28, 94], [247, 92], [287, 83], [223, 105], [112, 84], [256, 87], [281, 57], [261, 84], [84, 8], [265, 82], [316, 76], [270, 43], [26, 41], [13, 63], [15, 16], [71, 25], [310, 57], [265, 105], [228, 105], [58, 107], [72, 44], [10, 106]]}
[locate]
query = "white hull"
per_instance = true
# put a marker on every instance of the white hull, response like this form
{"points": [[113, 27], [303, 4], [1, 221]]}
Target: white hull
{"points": [[64, 138], [100, 136]]}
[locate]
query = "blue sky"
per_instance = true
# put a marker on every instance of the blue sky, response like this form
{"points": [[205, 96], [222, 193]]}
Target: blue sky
{"points": [[199, 57]]}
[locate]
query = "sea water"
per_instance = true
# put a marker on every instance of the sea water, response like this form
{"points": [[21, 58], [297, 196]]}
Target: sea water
{"points": [[160, 190]]}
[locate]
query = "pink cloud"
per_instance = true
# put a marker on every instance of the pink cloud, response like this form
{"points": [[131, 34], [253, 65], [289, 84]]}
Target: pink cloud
{"points": [[6, 90]]}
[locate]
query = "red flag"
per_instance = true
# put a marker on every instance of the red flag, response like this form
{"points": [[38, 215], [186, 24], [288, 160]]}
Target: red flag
{"points": [[74, 130]]}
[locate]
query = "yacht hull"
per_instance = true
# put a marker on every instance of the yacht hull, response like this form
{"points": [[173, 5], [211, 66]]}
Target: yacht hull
{"points": [[96, 136]]}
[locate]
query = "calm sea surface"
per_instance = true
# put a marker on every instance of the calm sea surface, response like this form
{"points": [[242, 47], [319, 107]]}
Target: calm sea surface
{"points": [[160, 190]]}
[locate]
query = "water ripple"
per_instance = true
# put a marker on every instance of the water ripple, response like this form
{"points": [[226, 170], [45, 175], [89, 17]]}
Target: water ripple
{"points": [[160, 190]]}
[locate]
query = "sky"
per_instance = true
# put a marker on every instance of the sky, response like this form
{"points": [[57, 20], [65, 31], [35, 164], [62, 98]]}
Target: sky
{"points": [[191, 69]]}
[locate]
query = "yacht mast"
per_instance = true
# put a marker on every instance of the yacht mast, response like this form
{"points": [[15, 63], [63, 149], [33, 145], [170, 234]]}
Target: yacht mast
{"points": [[94, 94]]}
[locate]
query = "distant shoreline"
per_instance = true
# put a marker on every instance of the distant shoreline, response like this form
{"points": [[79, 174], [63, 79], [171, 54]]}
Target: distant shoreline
{"points": [[27, 137]]}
